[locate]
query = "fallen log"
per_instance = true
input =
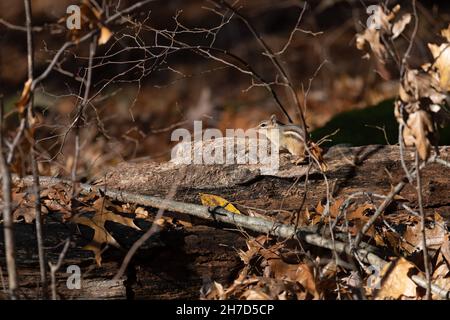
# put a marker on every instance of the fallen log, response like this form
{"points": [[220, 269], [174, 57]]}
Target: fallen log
{"points": [[179, 262]]}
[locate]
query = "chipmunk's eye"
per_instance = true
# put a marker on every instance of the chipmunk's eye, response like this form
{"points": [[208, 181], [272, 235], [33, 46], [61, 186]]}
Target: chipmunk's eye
{"points": [[262, 125]]}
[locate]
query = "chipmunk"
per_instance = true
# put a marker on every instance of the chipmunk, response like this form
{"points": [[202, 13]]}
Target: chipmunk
{"points": [[290, 137]]}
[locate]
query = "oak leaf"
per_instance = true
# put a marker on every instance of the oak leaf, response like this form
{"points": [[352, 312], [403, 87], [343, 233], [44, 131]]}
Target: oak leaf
{"points": [[101, 236], [395, 280]]}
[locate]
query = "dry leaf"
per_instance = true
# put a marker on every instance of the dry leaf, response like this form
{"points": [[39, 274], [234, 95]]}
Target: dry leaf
{"points": [[211, 200], [24, 204], [161, 222], [445, 248], [141, 213], [441, 277], [395, 280], [372, 37], [400, 25], [441, 54], [417, 84], [360, 212], [97, 223], [24, 97], [105, 35], [254, 246], [329, 270], [256, 295], [334, 208], [446, 33], [305, 276], [215, 292], [435, 238], [419, 126], [317, 152]]}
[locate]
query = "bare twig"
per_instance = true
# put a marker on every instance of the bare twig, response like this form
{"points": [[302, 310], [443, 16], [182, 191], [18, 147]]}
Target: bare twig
{"points": [[443, 162], [294, 30], [423, 230], [402, 148], [11, 26], [386, 202], [7, 215], [80, 111], [411, 41], [86, 37], [55, 267], [273, 58], [33, 155]]}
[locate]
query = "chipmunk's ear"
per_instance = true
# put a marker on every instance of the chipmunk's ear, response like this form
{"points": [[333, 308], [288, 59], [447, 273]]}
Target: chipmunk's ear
{"points": [[273, 119]]}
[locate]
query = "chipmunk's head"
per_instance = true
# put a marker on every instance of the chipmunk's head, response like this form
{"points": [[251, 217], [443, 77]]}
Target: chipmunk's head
{"points": [[268, 124]]}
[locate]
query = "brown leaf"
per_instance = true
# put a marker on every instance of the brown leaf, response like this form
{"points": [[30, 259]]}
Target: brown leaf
{"points": [[435, 238], [375, 31], [317, 152], [441, 54], [441, 277], [445, 248], [97, 223], [400, 25], [396, 283], [24, 97], [215, 292], [305, 276], [360, 212], [24, 206], [105, 35], [256, 295], [334, 207], [417, 84], [141, 213], [254, 246], [329, 270], [372, 38], [101, 235], [416, 132], [446, 33]]}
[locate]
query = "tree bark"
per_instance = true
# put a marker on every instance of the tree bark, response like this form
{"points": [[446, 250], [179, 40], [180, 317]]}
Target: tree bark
{"points": [[179, 260]]}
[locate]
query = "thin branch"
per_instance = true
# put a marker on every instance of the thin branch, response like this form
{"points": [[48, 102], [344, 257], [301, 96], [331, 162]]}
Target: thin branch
{"points": [[55, 267], [54, 63], [80, 111], [11, 26], [294, 30], [386, 202], [411, 42], [8, 226], [33, 156], [443, 162], [273, 58], [402, 148], [86, 37], [423, 230]]}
